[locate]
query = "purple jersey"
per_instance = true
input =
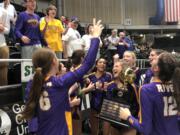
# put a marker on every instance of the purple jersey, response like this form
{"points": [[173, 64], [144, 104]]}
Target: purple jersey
{"points": [[28, 25], [138, 77], [128, 97], [55, 117], [148, 76], [158, 110], [110, 88], [97, 95]]}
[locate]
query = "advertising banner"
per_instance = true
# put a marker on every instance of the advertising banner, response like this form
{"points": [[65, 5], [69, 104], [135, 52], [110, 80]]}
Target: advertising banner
{"points": [[10, 122]]}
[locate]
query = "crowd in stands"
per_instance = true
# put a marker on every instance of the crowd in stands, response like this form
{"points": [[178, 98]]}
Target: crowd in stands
{"points": [[63, 35]]}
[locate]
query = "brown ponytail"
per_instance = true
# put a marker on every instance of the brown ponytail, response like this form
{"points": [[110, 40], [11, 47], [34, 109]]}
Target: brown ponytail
{"points": [[34, 94], [42, 62]]}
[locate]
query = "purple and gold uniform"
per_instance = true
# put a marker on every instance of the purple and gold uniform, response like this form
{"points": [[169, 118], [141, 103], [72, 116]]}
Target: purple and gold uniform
{"points": [[128, 97], [97, 95], [112, 86], [148, 76], [138, 77], [158, 110], [55, 117]]}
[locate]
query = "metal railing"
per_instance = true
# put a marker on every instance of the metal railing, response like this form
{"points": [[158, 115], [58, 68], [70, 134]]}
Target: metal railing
{"points": [[24, 60], [142, 63], [10, 86]]}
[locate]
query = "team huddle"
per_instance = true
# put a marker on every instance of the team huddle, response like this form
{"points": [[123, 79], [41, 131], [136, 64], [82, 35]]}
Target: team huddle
{"points": [[54, 98], [154, 108]]}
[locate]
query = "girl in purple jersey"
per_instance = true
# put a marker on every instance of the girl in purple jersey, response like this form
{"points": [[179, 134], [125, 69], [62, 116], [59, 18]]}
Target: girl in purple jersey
{"points": [[158, 105], [76, 60], [130, 57], [99, 78], [152, 56], [48, 98], [123, 90]]}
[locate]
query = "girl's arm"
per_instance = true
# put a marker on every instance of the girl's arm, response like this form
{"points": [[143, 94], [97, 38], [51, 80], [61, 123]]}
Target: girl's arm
{"points": [[72, 77], [144, 124]]}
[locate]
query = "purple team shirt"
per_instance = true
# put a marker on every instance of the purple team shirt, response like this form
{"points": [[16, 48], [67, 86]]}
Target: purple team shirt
{"points": [[158, 110], [53, 121], [28, 25], [148, 76], [97, 95]]}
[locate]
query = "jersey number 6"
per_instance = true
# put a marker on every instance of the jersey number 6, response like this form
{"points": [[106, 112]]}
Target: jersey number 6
{"points": [[44, 101]]}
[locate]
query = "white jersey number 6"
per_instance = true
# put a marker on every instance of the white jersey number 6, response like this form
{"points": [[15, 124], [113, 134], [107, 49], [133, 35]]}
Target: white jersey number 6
{"points": [[44, 101]]}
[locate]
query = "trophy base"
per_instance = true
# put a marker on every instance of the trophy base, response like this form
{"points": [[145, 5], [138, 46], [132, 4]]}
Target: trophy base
{"points": [[110, 111]]}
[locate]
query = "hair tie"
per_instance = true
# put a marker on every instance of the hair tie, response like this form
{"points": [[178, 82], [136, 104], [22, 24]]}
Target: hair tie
{"points": [[38, 69]]}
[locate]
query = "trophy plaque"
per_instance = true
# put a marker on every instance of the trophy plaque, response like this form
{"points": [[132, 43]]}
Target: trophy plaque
{"points": [[110, 111]]}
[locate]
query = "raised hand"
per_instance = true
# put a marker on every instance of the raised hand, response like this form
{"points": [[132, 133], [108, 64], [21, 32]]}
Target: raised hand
{"points": [[97, 28]]}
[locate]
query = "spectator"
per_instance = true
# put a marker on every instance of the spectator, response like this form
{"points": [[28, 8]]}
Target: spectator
{"points": [[4, 51], [27, 30], [124, 44], [52, 30], [12, 15], [87, 40], [64, 21], [113, 42], [72, 38]]}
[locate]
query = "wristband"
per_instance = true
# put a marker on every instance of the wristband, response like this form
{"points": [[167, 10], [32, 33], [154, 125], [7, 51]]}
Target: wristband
{"points": [[128, 117], [130, 120]]}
